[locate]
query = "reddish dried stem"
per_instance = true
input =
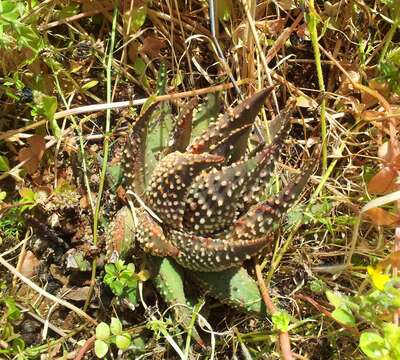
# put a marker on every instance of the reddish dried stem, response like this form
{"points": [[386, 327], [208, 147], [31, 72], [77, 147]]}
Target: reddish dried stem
{"points": [[85, 348], [284, 339], [324, 311]]}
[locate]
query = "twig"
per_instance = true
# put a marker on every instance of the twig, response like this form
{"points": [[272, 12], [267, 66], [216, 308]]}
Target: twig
{"points": [[282, 38], [284, 339], [70, 19], [327, 313], [122, 104], [85, 348]]}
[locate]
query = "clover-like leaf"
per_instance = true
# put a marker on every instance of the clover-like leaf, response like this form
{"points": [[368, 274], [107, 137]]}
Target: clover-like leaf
{"points": [[100, 348], [373, 345], [115, 326], [281, 320], [123, 341], [102, 331], [344, 316]]}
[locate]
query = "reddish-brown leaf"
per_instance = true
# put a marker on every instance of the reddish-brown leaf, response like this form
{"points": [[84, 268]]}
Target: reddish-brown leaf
{"points": [[32, 155], [275, 27], [390, 151], [84, 202], [382, 217], [152, 46], [121, 193], [396, 162], [29, 264], [393, 259], [383, 181]]}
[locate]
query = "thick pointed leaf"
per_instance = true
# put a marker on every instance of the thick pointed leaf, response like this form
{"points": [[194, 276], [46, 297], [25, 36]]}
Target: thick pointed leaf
{"points": [[180, 136], [234, 287], [205, 115], [214, 253], [216, 198], [242, 115], [134, 156], [151, 236], [170, 181], [384, 181], [262, 219], [120, 234]]}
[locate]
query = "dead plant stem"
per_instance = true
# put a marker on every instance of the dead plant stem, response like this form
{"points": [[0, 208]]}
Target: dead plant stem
{"points": [[284, 339]]}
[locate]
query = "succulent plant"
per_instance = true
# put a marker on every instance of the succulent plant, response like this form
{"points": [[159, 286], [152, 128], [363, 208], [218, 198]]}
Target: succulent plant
{"points": [[199, 206]]}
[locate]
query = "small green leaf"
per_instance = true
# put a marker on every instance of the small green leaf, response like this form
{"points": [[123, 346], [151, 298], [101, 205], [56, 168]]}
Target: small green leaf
{"points": [[11, 10], [131, 268], [89, 85], [140, 67], [110, 269], [3, 195], [81, 262], [150, 101], [373, 345], [392, 335], [4, 165], [120, 265], [13, 312], [100, 348], [102, 331], [344, 316], [335, 298], [143, 275], [123, 341], [317, 286], [115, 326], [138, 17], [114, 175], [177, 79], [281, 320], [139, 343], [132, 296], [47, 106], [224, 8], [117, 287]]}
